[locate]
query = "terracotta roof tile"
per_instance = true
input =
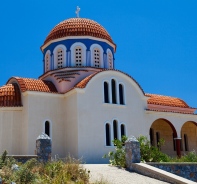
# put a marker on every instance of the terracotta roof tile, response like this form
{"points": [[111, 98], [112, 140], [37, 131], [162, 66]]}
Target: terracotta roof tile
{"points": [[27, 84], [10, 96], [85, 81], [78, 27], [166, 101]]}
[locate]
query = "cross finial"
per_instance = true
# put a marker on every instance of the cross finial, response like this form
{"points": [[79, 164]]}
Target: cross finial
{"points": [[77, 11]]}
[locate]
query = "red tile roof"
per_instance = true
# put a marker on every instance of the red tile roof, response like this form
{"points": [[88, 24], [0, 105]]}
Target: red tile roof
{"points": [[78, 27], [166, 101], [27, 84], [10, 96], [84, 82]]}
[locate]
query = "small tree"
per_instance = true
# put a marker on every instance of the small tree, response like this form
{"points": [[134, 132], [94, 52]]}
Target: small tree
{"points": [[117, 157], [151, 153]]}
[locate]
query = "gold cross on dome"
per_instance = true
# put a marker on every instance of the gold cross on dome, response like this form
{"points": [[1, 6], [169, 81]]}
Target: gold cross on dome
{"points": [[77, 11]]}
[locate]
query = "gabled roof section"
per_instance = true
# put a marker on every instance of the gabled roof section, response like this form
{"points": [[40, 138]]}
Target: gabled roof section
{"points": [[27, 84], [10, 96], [84, 82], [166, 101]]}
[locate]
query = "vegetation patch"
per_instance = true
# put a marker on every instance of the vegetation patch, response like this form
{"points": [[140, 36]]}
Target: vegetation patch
{"points": [[148, 153], [68, 170]]}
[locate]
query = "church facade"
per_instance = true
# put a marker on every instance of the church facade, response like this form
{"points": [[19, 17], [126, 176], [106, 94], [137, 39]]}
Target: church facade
{"points": [[83, 103]]}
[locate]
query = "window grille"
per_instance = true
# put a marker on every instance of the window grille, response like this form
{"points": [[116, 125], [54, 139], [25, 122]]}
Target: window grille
{"points": [[97, 58], [59, 58], [78, 56]]}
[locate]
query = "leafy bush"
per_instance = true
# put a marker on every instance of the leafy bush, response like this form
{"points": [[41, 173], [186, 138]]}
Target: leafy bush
{"points": [[151, 153], [23, 175], [63, 171], [148, 153], [190, 157], [5, 160], [117, 157], [55, 172]]}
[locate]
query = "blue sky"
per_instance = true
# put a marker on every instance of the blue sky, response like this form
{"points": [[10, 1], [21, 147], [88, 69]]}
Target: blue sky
{"points": [[156, 39]]}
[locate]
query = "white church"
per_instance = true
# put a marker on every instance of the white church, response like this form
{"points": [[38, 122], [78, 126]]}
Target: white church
{"points": [[83, 103]]}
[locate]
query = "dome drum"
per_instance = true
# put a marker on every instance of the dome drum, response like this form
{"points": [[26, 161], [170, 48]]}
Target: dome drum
{"points": [[91, 53]]}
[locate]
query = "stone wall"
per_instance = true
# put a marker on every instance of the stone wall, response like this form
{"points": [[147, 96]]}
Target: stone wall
{"points": [[43, 147], [132, 150], [186, 170], [23, 158]]}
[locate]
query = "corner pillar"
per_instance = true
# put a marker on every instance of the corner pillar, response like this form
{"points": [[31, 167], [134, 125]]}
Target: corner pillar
{"points": [[132, 149], [43, 147]]}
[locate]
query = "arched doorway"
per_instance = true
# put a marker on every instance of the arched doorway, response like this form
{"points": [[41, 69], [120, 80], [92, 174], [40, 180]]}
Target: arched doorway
{"points": [[189, 136], [163, 129]]}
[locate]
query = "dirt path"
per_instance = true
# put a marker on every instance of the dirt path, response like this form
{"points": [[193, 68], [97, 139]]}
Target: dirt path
{"points": [[115, 175]]}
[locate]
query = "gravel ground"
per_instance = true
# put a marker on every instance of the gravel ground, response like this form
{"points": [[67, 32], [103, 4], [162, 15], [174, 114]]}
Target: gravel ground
{"points": [[114, 175]]}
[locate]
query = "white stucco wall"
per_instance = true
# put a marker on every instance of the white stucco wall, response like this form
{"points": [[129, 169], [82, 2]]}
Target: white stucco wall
{"points": [[40, 107], [94, 113], [71, 124], [10, 129]]}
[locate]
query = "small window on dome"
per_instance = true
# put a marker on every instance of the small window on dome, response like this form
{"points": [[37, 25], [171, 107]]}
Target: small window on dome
{"points": [[78, 56], [59, 58], [110, 60], [96, 58], [47, 62]]}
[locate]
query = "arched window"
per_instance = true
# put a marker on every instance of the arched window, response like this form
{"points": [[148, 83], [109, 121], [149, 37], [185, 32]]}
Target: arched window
{"points": [[59, 54], [78, 56], [113, 85], [121, 94], [60, 58], [47, 128], [115, 129], [122, 129], [107, 131], [47, 62], [106, 92], [110, 60], [96, 58]]}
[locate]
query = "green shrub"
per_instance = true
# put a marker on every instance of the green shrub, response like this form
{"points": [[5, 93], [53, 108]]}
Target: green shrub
{"points": [[148, 153], [54, 172], [5, 160], [117, 157], [190, 157], [151, 153]]}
